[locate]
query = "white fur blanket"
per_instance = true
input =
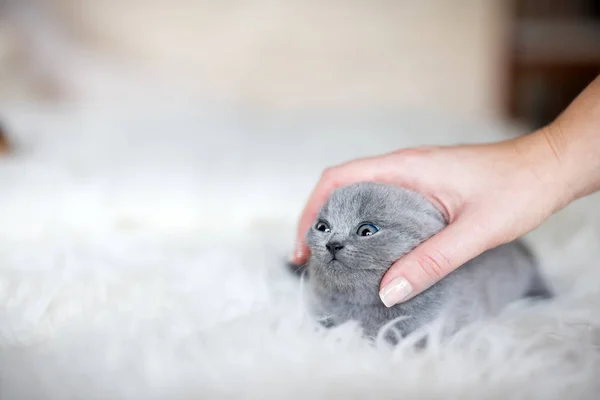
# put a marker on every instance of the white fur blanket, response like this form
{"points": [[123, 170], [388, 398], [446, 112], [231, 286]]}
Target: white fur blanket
{"points": [[142, 250]]}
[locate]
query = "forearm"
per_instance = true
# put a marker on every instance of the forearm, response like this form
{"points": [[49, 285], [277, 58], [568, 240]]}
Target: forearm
{"points": [[577, 135], [567, 151]]}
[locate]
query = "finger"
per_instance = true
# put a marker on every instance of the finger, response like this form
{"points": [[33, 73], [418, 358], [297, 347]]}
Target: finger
{"points": [[332, 178], [433, 259]]}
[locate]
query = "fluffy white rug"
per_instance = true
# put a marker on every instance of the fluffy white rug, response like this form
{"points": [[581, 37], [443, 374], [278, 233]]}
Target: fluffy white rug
{"points": [[142, 249]]}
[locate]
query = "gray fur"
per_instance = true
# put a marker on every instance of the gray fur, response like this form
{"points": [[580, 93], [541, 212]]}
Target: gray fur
{"points": [[347, 288]]}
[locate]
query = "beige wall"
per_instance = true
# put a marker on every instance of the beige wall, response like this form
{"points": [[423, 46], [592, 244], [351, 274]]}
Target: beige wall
{"points": [[305, 53]]}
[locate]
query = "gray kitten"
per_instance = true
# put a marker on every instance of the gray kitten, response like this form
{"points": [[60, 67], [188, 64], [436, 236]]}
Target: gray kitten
{"points": [[365, 227]]}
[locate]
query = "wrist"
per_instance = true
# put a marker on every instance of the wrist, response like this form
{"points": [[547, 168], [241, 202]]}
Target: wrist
{"points": [[578, 147], [543, 153]]}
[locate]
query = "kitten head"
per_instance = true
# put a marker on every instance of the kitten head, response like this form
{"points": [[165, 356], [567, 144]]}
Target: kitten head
{"points": [[360, 231]]}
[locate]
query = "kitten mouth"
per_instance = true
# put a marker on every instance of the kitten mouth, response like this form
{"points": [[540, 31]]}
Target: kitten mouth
{"points": [[334, 261]]}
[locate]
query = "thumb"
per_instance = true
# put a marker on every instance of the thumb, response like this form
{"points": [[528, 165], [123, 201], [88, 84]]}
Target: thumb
{"points": [[459, 242]]}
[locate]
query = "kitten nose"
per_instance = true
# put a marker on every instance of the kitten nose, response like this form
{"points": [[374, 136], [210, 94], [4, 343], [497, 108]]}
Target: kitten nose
{"points": [[334, 247]]}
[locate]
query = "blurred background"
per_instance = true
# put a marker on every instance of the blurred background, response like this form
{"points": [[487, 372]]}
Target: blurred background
{"points": [[156, 147], [521, 60]]}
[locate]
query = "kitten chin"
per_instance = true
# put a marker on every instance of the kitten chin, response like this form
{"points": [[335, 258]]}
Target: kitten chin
{"points": [[347, 285]]}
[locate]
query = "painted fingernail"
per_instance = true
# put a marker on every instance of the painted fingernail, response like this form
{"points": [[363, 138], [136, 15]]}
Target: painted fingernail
{"points": [[395, 291]]}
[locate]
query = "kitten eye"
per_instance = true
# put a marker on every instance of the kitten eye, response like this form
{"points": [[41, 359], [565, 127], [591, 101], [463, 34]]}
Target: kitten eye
{"points": [[367, 230], [322, 226]]}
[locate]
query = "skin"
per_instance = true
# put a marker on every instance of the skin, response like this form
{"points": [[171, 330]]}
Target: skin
{"points": [[489, 194]]}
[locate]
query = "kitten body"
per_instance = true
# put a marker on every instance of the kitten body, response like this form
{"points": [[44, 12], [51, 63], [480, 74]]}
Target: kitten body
{"points": [[365, 227]]}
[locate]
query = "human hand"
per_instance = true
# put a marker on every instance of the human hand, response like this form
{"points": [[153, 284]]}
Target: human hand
{"points": [[490, 194]]}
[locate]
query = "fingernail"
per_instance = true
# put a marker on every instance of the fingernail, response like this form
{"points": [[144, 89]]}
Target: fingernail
{"points": [[395, 291], [298, 254]]}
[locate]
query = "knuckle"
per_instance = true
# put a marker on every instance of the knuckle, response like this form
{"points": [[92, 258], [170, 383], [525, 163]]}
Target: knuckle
{"points": [[329, 178], [433, 265], [411, 157], [416, 152], [328, 173]]}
